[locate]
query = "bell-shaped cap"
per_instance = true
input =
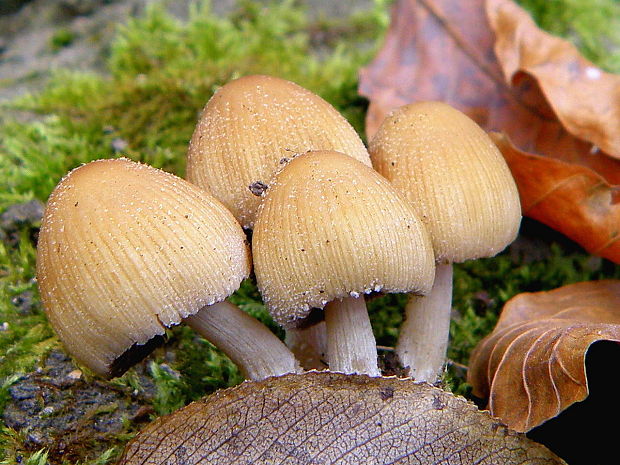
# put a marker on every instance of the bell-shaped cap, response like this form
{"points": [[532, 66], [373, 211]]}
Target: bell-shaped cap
{"points": [[125, 251], [331, 227], [453, 175], [249, 126]]}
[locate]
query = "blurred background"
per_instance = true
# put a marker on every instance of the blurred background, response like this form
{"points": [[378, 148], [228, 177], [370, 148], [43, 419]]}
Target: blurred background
{"points": [[37, 36]]}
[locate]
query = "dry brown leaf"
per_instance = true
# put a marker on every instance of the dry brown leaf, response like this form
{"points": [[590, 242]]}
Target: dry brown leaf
{"points": [[488, 59], [569, 198], [584, 98], [531, 367], [327, 418]]}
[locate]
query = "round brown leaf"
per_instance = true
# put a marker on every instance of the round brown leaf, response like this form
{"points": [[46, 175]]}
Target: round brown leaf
{"points": [[532, 366], [328, 418]]}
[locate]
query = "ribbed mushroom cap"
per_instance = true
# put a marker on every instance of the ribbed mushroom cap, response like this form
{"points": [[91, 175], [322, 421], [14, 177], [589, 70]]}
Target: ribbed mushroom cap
{"points": [[331, 227], [126, 250], [454, 176], [249, 126]]}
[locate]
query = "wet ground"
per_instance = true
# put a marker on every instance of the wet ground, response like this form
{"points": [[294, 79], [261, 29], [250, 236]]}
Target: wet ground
{"points": [[55, 407]]}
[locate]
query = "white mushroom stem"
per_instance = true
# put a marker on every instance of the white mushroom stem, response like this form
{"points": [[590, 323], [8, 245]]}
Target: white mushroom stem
{"points": [[246, 341], [423, 339], [351, 345], [309, 345]]}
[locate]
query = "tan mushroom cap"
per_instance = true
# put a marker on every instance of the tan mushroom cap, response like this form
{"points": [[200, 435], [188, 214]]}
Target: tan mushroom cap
{"points": [[126, 250], [249, 126], [454, 176], [331, 227]]}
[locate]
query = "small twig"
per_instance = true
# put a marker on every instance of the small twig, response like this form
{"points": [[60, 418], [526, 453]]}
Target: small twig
{"points": [[457, 364]]}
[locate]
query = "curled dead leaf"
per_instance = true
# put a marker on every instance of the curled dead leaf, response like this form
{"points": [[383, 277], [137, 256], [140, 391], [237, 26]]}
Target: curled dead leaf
{"points": [[531, 367], [488, 59], [569, 198], [326, 418], [584, 98]]}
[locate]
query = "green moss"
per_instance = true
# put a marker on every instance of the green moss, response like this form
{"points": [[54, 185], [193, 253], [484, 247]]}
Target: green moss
{"points": [[162, 72], [61, 38], [41, 457], [38, 458], [26, 336]]}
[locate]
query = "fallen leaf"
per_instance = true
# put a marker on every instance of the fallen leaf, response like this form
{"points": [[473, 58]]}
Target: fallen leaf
{"points": [[531, 367], [326, 418], [569, 198], [584, 98], [435, 50], [488, 59]]}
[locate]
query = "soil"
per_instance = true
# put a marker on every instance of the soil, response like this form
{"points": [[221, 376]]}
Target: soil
{"points": [[56, 408], [21, 217]]}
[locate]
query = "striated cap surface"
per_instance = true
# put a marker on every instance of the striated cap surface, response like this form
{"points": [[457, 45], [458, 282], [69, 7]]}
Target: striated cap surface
{"points": [[453, 175], [331, 227], [249, 126], [126, 250]]}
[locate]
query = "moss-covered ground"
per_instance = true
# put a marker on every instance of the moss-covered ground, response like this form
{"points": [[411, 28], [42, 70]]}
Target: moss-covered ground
{"points": [[161, 73]]}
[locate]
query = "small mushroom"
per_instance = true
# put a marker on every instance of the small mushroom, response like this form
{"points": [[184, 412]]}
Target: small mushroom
{"points": [[331, 229], [460, 185], [249, 126], [248, 130], [126, 251]]}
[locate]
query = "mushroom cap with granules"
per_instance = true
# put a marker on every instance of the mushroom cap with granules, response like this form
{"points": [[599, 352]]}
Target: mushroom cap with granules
{"points": [[249, 126], [453, 175], [331, 227], [127, 250]]}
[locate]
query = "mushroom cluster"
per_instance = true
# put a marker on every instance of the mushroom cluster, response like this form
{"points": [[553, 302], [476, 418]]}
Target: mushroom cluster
{"points": [[126, 250]]}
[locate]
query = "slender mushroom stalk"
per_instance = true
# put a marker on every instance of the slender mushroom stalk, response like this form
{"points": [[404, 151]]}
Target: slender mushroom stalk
{"points": [[460, 185], [423, 340], [329, 230], [246, 130], [244, 339], [126, 251], [350, 351]]}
